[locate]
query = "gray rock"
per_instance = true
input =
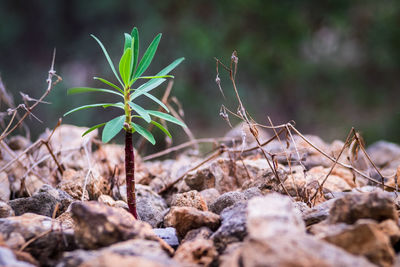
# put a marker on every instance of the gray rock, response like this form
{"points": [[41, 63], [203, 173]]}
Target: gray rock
{"points": [[7, 258], [252, 192], [377, 205], [383, 152], [168, 235], [318, 213], [226, 200], [42, 202], [151, 207], [127, 253], [210, 195], [233, 226], [5, 210]]}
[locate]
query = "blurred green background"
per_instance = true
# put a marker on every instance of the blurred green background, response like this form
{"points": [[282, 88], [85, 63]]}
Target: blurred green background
{"points": [[328, 65]]}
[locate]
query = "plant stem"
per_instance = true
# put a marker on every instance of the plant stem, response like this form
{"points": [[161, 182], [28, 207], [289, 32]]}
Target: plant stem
{"points": [[130, 173]]}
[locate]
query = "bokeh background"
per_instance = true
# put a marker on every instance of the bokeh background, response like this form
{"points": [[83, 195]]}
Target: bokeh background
{"points": [[328, 65]]}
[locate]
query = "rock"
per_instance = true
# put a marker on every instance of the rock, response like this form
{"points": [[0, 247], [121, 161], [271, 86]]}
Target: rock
{"points": [[73, 182], [46, 247], [252, 192], [289, 250], [273, 215], [318, 213], [363, 238], [168, 235], [382, 153], [226, 200], [133, 252], [7, 258], [66, 221], [5, 189], [42, 202], [189, 199], [184, 219], [18, 142], [151, 207], [199, 251], [391, 229], [378, 206], [202, 232], [33, 184], [5, 210], [233, 226], [97, 225], [210, 195], [226, 175]]}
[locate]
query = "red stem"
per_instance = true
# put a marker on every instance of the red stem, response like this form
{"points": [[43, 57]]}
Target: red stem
{"points": [[130, 173]]}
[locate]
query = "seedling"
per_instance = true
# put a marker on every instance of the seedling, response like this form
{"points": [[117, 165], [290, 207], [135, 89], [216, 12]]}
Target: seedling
{"points": [[131, 70]]}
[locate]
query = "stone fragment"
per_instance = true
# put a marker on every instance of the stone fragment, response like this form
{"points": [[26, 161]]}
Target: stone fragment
{"points": [[383, 153], [151, 207], [42, 202], [233, 226], [377, 205], [189, 199], [198, 251], [184, 219], [226, 200], [210, 195], [168, 235], [251, 192], [98, 225], [18, 142], [202, 232], [317, 213], [5, 210], [391, 229], [7, 258], [132, 252]]}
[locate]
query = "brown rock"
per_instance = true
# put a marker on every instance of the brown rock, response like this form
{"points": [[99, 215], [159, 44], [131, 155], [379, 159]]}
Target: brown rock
{"points": [[202, 232], [5, 210], [198, 251], [391, 229], [4, 187], [299, 251], [363, 238], [210, 195], [184, 219], [97, 225], [189, 199], [378, 206]]}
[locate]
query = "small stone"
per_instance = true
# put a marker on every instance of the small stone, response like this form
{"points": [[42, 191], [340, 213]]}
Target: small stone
{"points": [[202, 232], [189, 199], [199, 251], [184, 219], [106, 199], [7, 258], [233, 227], [273, 215], [383, 152], [210, 195], [378, 206], [98, 225], [252, 192], [318, 213], [391, 229], [18, 142], [168, 235], [226, 200], [5, 210]]}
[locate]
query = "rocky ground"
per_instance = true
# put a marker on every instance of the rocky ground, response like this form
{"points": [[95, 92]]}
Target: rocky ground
{"points": [[230, 211]]}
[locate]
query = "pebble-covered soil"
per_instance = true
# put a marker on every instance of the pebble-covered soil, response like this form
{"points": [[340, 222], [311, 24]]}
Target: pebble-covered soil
{"points": [[70, 209]]}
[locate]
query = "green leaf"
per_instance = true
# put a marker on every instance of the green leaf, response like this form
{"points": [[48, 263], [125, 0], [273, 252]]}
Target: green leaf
{"points": [[79, 90], [162, 128], [155, 77], [141, 111], [143, 132], [166, 117], [128, 41], [108, 58], [135, 39], [148, 56], [93, 128], [112, 128], [109, 84], [125, 66], [145, 88], [116, 105], [170, 67], [155, 99], [104, 105]]}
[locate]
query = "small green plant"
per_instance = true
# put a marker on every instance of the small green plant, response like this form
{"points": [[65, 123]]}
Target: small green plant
{"points": [[131, 70]]}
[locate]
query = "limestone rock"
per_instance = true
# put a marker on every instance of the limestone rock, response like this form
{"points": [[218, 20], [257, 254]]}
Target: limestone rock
{"points": [[97, 225], [378, 206], [184, 219], [189, 199], [226, 200]]}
